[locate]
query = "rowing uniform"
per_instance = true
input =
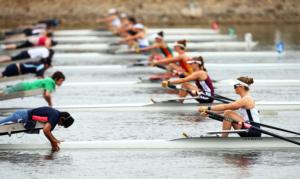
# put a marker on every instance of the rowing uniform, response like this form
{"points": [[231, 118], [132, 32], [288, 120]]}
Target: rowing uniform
{"points": [[207, 88], [41, 114], [16, 69], [116, 22], [250, 115], [167, 52], [184, 65], [48, 84], [143, 42], [41, 52], [35, 41]]}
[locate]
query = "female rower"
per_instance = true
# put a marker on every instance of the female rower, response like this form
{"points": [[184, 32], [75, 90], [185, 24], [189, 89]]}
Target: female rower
{"points": [[183, 68], [36, 67], [31, 42], [48, 84], [113, 21], [246, 106], [40, 52], [203, 84], [139, 39], [161, 45]]}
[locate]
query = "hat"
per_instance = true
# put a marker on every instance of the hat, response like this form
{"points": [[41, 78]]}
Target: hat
{"points": [[138, 26], [194, 61], [112, 11]]}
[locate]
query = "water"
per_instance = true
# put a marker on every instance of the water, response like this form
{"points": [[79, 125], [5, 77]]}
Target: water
{"points": [[118, 125]]}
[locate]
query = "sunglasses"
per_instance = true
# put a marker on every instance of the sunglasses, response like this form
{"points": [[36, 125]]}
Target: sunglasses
{"points": [[236, 85]]}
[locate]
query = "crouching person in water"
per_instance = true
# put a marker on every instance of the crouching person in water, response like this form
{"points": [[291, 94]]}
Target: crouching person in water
{"points": [[50, 116], [47, 84]]}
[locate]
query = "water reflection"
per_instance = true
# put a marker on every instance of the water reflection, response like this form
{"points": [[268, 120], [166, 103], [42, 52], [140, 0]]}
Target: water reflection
{"points": [[33, 159]]}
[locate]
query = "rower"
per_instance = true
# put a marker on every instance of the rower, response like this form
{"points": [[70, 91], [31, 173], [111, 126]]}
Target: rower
{"points": [[161, 45], [31, 42], [183, 68], [246, 106], [47, 84], [127, 25], [40, 52], [36, 67], [50, 116], [113, 21], [203, 83], [139, 40]]}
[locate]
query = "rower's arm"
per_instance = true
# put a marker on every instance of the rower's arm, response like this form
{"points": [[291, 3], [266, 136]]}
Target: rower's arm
{"points": [[107, 19], [47, 131], [154, 46], [133, 37], [230, 106], [47, 97], [194, 76], [167, 60]]}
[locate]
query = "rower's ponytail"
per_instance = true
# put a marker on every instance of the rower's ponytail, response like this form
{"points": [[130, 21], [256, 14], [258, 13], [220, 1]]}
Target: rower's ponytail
{"points": [[161, 33], [247, 80]]}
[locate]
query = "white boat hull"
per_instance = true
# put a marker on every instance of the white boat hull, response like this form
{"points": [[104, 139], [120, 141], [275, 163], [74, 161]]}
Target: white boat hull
{"points": [[167, 38], [101, 47], [88, 32], [199, 143]]}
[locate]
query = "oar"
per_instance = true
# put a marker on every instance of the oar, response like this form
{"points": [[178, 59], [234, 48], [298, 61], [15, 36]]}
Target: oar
{"points": [[249, 126], [212, 97], [224, 101]]}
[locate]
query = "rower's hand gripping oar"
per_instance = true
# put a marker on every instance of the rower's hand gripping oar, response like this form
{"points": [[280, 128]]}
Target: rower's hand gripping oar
{"points": [[166, 84], [220, 118]]}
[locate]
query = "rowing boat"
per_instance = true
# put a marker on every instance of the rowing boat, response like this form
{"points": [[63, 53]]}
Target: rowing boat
{"points": [[88, 32], [234, 55], [16, 78], [210, 66], [167, 38], [194, 143], [102, 47], [148, 84], [21, 94], [168, 105], [13, 128]]}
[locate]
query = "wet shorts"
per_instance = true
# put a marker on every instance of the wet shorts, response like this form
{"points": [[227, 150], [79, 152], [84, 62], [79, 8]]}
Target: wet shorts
{"points": [[25, 44], [251, 132], [10, 70], [20, 56]]}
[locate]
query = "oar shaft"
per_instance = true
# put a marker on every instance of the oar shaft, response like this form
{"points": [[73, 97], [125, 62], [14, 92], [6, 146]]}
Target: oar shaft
{"points": [[276, 128], [221, 118]]}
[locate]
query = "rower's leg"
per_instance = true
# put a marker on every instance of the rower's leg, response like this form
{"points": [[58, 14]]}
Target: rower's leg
{"points": [[227, 124], [18, 116], [10, 47], [183, 93], [5, 59]]}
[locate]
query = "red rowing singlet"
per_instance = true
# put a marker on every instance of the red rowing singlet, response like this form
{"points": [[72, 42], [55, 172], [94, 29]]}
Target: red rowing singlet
{"points": [[42, 40]]}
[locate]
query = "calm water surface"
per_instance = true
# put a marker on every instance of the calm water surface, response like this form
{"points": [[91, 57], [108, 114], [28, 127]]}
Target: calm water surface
{"points": [[158, 125]]}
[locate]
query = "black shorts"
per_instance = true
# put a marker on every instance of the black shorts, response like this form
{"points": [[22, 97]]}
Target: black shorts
{"points": [[20, 56], [25, 44], [10, 70], [27, 32], [251, 132], [202, 99]]}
